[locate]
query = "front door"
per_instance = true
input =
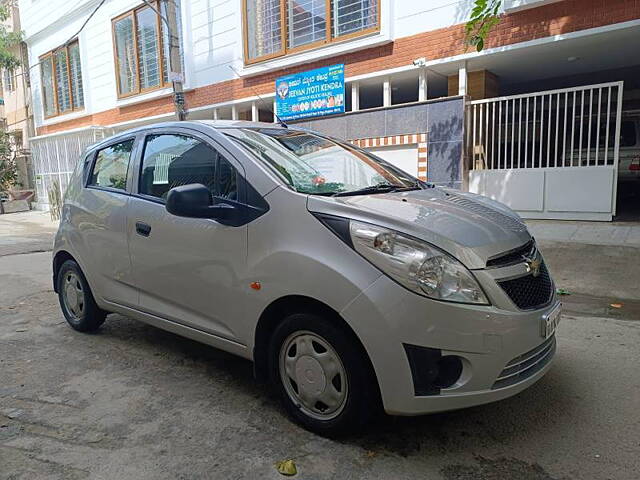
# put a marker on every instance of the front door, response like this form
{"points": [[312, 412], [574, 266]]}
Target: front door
{"points": [[188, 270]]}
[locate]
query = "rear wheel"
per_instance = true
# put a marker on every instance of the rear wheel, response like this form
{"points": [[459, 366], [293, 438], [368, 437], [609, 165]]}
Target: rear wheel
{"points": [[76, 300], [325, 382]]}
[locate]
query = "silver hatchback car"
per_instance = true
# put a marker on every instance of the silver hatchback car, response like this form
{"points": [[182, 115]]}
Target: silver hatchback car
{"points": [[350, 284]]}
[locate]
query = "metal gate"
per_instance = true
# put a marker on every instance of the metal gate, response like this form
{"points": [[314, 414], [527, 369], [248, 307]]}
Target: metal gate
{"points": [[551, 154], [55, 156]]}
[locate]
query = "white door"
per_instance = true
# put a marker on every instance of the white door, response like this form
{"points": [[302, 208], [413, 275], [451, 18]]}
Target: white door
{"points": [[404, 157]]}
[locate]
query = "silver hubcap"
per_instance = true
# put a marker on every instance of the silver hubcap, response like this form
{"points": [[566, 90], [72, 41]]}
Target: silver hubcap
{"points": [[73, 294], [313, 375]]}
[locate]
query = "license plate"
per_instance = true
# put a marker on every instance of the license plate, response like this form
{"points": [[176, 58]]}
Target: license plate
{"points": [[549, 322]]}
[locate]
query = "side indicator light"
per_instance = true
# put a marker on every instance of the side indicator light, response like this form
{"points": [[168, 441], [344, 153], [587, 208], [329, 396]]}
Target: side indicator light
{"points": [[255, 285]]}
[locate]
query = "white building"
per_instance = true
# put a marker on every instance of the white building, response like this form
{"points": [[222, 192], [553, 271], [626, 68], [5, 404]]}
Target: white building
{"points": [[408, 78]]}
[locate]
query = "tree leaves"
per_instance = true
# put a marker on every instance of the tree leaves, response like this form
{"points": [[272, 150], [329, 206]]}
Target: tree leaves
{"points": [[8, 167], [484, 16], [8, 38]]}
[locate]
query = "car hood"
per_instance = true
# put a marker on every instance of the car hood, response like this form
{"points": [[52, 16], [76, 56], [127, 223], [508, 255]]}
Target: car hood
{"points": [[470, 227]]}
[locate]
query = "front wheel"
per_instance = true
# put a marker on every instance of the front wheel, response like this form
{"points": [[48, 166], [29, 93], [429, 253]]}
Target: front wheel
{"points": [[324, 380]]}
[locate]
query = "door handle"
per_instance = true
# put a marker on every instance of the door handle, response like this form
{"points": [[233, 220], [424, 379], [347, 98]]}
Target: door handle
{"points": [[143, 229]]}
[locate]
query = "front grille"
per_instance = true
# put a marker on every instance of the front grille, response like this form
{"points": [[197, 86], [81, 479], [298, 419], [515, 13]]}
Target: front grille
{"points": [[514, 256], [529, 292], [505, 221], [527, 364]]}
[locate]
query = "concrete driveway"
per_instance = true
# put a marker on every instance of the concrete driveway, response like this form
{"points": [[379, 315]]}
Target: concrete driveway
{"points": [[135, 402]]}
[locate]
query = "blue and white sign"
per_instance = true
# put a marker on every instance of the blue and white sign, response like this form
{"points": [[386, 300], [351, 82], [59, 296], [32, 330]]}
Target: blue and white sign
{"points": [[311, 94]]}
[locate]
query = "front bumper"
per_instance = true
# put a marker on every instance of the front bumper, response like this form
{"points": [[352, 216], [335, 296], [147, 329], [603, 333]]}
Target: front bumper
{"points": [[488, 339]]}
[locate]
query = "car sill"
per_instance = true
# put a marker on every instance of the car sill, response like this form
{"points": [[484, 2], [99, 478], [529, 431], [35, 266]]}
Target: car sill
{"points": [[222, 343]]}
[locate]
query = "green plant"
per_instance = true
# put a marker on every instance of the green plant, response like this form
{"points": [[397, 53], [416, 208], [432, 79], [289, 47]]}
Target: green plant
{"points": [[484, 16], [8, 38], [8, 167], [55, 200]]}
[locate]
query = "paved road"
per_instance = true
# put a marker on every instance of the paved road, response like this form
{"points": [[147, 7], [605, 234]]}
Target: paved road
{"points": [[26, 232], [135, 402]]}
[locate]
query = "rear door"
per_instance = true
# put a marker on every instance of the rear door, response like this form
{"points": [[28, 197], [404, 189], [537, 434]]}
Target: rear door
{"points": [[188, 270], [100, 217]]}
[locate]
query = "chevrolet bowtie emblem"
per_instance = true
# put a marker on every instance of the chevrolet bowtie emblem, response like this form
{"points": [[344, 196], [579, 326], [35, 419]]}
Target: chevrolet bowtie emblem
{"points": [[533, 265]]}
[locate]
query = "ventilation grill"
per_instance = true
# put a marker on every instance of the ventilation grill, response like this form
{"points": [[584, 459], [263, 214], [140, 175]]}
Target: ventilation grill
{"points": [[498, 217], [527, 364]]}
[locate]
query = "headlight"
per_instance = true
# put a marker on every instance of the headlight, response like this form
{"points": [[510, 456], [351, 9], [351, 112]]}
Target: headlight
{"points": [[418, 266]]}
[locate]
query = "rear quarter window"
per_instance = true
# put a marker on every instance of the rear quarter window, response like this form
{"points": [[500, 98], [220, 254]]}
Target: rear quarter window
{"points": [[111, 166]]}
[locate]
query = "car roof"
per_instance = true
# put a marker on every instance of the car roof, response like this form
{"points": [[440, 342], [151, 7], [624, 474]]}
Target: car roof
{"points": [[196, 124]]}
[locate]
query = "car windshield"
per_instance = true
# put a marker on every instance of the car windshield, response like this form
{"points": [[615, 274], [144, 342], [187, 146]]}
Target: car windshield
{"points": [[317, 165]]}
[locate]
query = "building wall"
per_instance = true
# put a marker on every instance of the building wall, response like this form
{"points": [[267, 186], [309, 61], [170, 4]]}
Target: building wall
{"points": [[15, 111], [212, 42]]}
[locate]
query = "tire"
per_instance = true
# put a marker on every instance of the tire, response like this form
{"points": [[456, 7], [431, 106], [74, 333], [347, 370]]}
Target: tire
{"points": [[315, 394], [76, 299]]}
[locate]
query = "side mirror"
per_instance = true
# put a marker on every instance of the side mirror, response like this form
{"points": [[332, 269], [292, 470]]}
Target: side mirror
{"points": [[195, 201]]}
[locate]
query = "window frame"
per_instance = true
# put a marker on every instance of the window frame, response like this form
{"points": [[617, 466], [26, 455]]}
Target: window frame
{"points": [[52, 54], [284, 30], [130, 167], [161, 60]]}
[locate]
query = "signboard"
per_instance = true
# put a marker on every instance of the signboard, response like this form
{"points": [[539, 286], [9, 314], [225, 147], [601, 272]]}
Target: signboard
{"points": [[311, 94]]}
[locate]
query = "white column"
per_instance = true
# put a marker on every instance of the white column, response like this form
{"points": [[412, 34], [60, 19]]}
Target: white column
{"points": [[215, 114], [234, 112], [275, 111], [355, 96], [462, 79], [422, 84], [255, 115], [386, 92]]}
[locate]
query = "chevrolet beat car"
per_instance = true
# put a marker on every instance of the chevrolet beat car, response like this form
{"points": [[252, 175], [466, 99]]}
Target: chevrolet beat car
{"points": [[350, 284]]}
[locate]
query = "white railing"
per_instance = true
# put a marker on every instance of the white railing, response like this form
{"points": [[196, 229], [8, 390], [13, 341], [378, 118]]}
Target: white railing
{"points": [[55, 156], [569, 127]]}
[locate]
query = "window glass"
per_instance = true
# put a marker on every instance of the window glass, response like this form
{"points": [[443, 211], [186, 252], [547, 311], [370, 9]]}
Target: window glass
{"points": [[62, 81], [125, 53], [48, 93], [111, 166], [8, 79], [264, 25], [76, 76], [173, 160], [350, 16], [307, 22], [317, 165], [148, 59]]}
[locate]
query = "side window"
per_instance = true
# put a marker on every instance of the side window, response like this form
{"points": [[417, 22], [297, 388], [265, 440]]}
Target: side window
{"points": [[171, 160], [111, 166]]}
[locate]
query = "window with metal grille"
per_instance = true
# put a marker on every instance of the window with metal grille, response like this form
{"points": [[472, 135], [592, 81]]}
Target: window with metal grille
{"points": [[141, 44], [61, 76], [276, 27]]}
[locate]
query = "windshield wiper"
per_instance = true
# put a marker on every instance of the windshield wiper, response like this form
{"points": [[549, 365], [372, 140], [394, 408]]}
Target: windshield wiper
{"points": [[379, 188]]}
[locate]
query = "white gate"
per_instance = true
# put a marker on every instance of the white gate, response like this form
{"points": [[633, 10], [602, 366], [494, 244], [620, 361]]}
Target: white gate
{"points": [[55, 156], [551, 154]]}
